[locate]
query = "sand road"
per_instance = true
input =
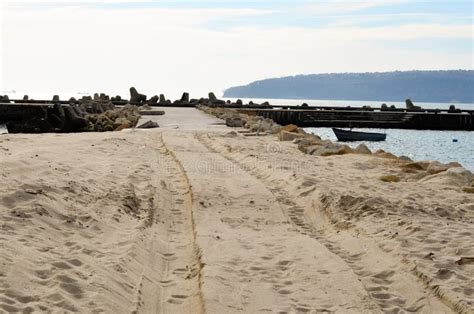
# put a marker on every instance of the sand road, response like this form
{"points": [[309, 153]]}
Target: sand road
{"points": [[182, 220]]}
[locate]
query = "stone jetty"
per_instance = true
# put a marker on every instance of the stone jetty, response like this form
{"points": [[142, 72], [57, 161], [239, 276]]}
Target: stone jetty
{"points": [[78, 115]]}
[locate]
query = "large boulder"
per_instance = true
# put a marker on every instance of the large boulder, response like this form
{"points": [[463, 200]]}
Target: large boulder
{"points": [[185, 98], [266, 125], [415, 166], [162, 99], [289, 136], [333, 149], [235, 122], [73, 121], [136, 97], [437, 167], [121, 121], [213, 99], [308, 139], [290, 128], [456, 177], [153, 100], [362, 149], [410, 106]]}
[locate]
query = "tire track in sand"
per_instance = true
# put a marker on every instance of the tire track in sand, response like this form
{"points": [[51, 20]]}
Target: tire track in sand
{"points": [[171, 250], [256, 260], [392, 290]]}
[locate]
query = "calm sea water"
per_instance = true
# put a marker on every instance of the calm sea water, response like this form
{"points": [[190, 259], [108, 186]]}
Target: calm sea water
{"points": [[418, 145]]}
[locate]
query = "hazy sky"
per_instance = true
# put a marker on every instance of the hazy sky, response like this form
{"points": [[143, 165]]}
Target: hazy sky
{"points": [[200, 46]]}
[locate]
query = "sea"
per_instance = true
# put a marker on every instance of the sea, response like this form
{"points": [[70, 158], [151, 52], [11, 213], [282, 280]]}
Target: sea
{"points": [[444, 146]]}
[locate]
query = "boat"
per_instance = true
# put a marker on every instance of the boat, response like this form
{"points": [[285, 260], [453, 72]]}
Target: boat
{"points": [[345, 136]]}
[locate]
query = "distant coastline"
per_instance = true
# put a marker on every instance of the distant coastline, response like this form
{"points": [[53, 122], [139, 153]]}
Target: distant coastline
{"points": [[453, 86]]}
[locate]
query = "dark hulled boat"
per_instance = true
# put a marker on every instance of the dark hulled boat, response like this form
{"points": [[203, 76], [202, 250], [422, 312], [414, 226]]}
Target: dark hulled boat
{"points": [[345, 136]]}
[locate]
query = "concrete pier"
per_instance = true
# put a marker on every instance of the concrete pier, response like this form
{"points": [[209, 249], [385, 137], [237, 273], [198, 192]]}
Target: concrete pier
{"points": [[304, 116], [360, 118]]}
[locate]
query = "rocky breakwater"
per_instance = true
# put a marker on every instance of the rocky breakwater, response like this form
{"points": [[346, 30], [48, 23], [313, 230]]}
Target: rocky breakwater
{"points": [[407, 170], [402, 168], [87, 115], [255, 125], [258, 126]]}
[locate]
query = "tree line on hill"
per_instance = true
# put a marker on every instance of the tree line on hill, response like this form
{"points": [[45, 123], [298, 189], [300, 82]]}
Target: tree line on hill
{"points": [[422, 86]]}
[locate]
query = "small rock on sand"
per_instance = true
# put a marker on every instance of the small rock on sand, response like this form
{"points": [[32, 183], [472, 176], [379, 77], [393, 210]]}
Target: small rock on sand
{"points": [[148, 125], [390, 178]]}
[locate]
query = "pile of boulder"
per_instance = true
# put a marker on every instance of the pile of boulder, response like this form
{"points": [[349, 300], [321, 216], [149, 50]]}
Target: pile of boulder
{"points": [[313, 145], [89, 115], [115, 119], [4, 99], [307, 143], [255, 124]]}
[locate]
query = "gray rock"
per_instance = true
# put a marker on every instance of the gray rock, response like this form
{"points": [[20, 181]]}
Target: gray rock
{"points": [[185, 98], [362, 149], [289, 136], [153, 99], [409, 104], [235, 122], [148, 125], [162, 99], [213, 99], [136, 96], [332, 150]]}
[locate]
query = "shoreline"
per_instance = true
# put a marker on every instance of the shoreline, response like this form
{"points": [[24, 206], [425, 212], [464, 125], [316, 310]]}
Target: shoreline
{"points": [[213, 220]]}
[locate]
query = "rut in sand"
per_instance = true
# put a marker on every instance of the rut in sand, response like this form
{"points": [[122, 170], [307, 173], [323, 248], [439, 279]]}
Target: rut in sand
{"points": [[254, 258], [386, 280], [117, 238], [180, 275]]}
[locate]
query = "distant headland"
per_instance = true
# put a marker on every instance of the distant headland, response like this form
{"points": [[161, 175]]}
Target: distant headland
{"points": [[423, 86]]}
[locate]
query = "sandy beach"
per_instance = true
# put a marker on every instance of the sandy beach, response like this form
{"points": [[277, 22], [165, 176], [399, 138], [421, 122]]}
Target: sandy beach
{"points": [[194, 218]]}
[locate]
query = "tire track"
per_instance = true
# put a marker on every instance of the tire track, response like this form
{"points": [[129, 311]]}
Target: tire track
{"points": [[170, 277], [385, 286], [182, 279]]}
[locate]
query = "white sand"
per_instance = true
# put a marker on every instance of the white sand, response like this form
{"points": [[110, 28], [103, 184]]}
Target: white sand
{"points": [[178, 221]]}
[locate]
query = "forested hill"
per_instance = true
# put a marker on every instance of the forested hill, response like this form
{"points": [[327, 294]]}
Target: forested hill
{"points": [[421, 86]]}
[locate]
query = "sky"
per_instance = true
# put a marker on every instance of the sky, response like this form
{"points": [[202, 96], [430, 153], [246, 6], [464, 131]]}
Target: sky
{"points": [[200, 46]]}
